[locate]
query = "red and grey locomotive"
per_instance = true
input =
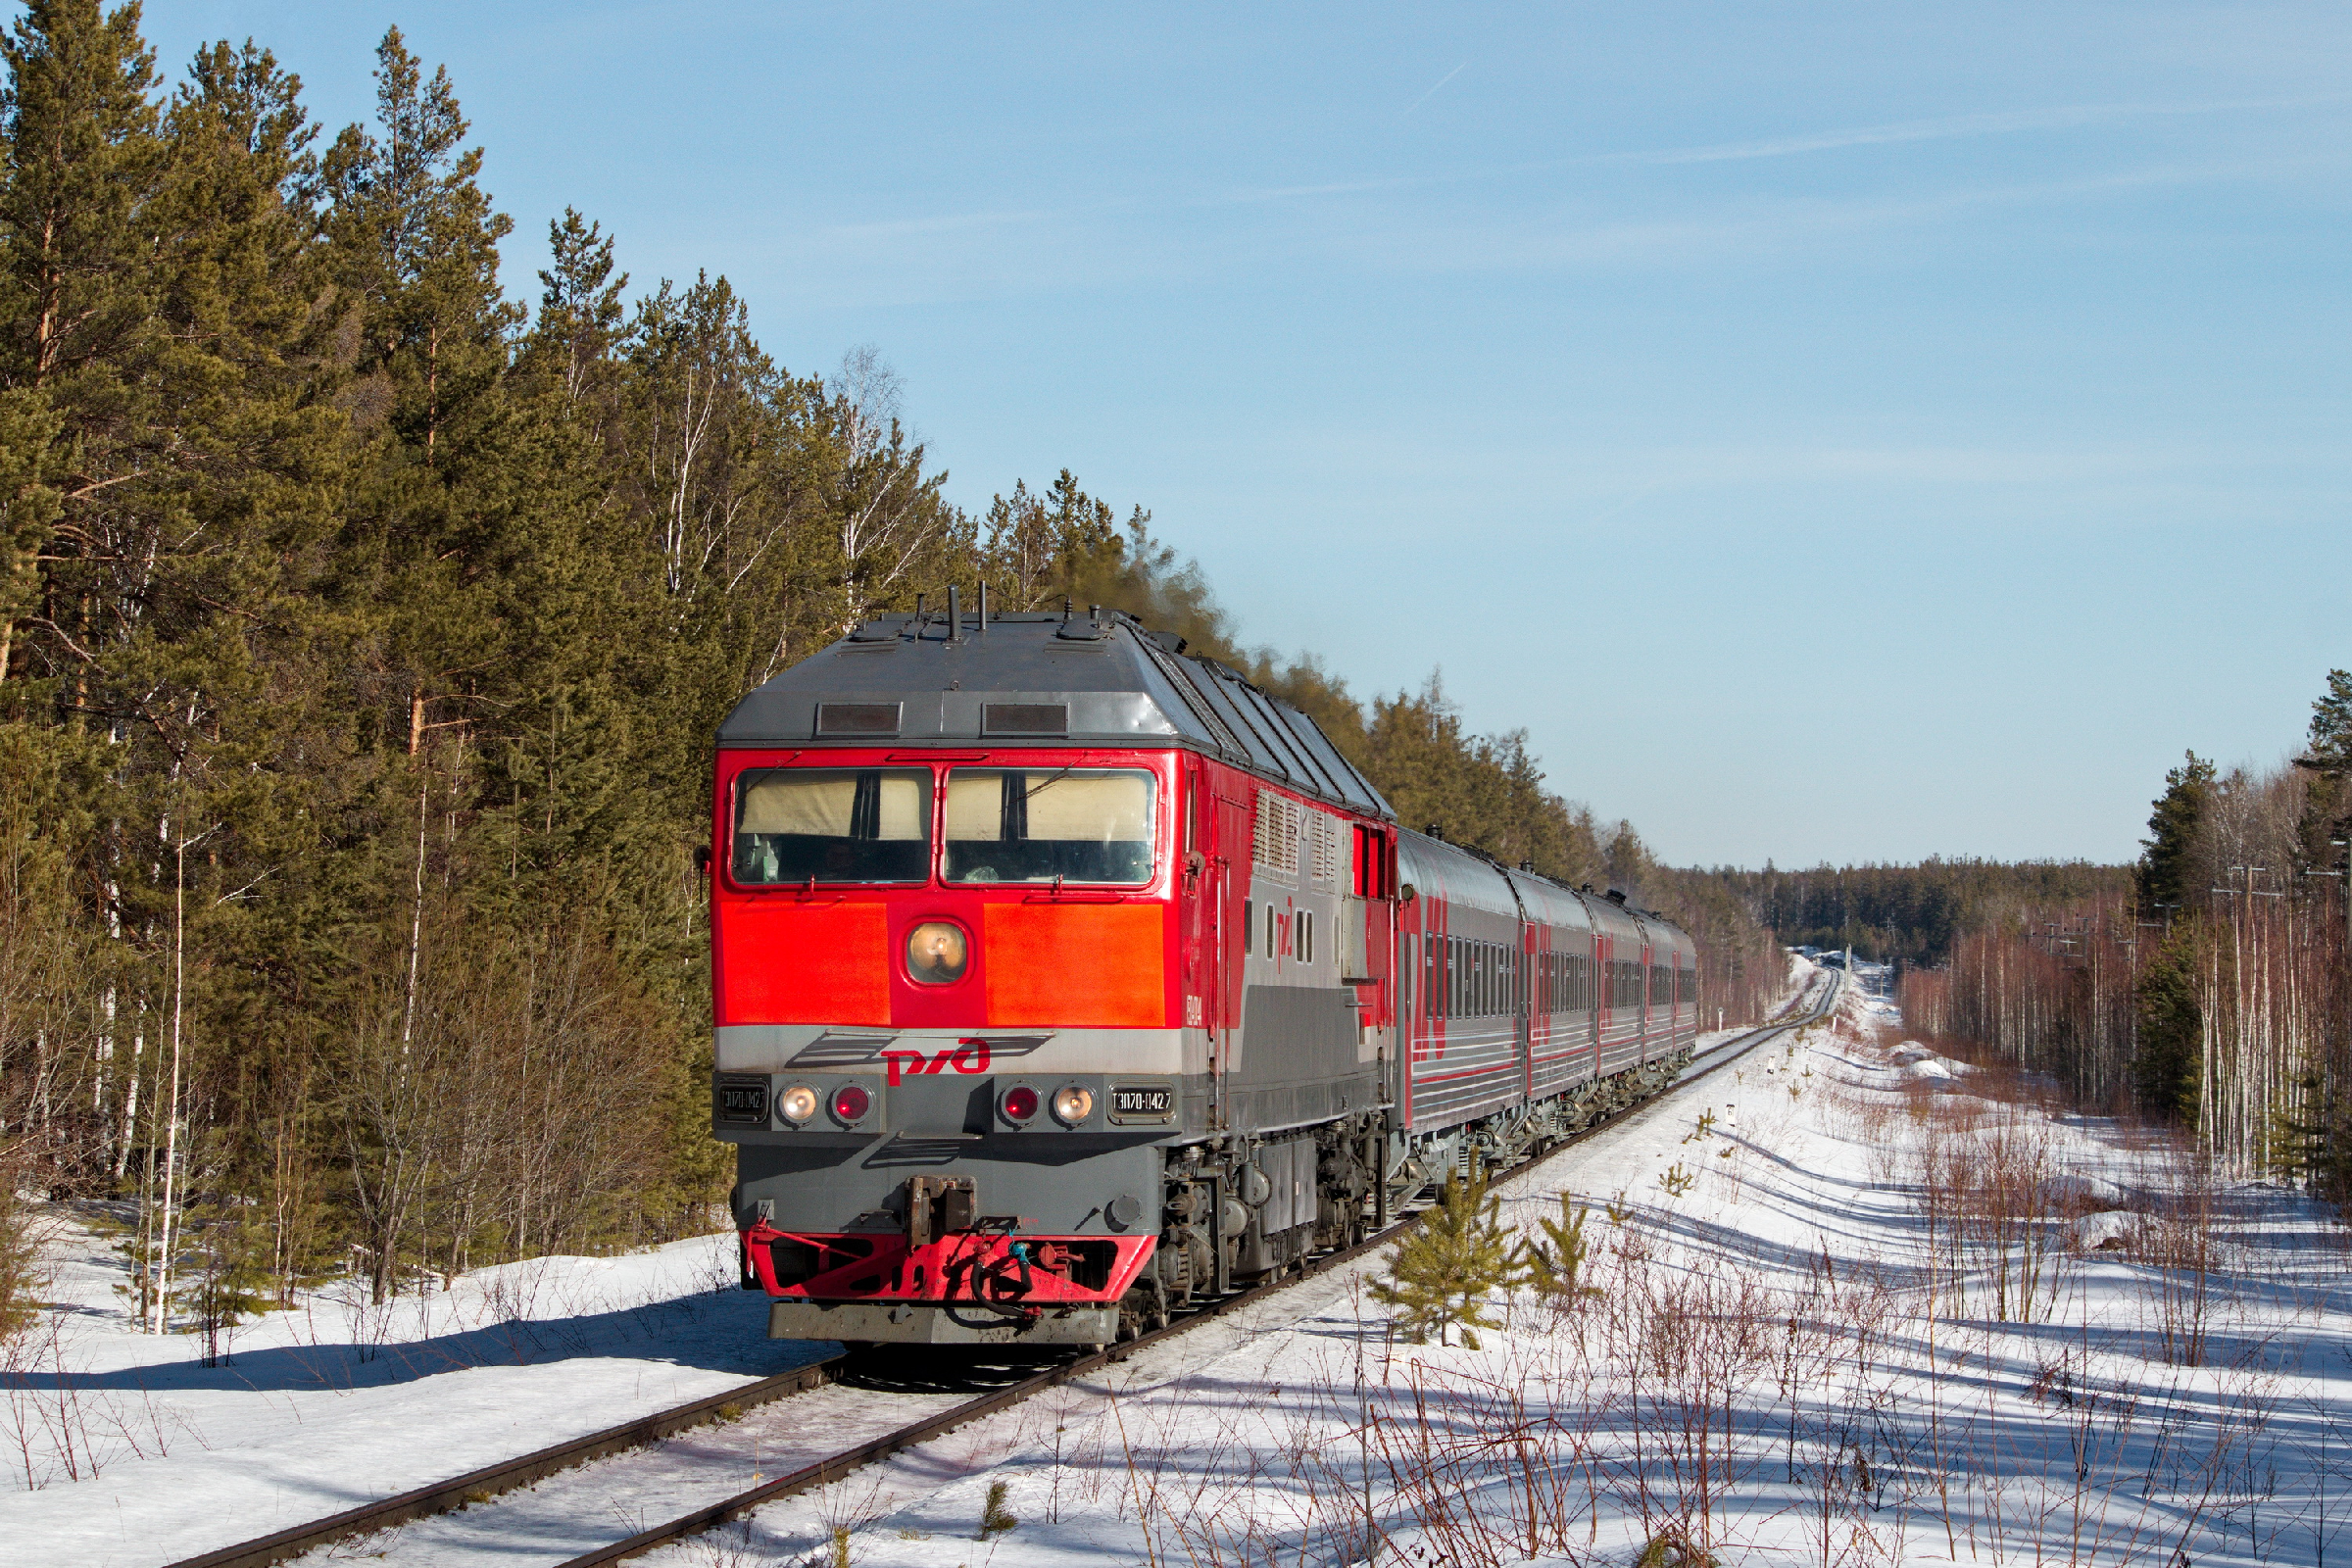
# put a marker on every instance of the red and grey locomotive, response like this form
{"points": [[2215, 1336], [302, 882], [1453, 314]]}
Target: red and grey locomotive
{"points": [[1062, 979]]}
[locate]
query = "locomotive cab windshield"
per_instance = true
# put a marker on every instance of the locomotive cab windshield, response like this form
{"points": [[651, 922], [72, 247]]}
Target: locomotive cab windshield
{"points": [[1080, 825], [1069, 824], [832, 824]]}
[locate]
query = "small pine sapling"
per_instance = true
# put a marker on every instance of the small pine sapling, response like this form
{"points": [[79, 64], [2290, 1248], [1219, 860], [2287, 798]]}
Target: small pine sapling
{"points": [[1706, 1125], [1671, 1548], [1677, 1181], [1618, 1210], [995, 1517], [1446, 1266], [1556, 1262]]}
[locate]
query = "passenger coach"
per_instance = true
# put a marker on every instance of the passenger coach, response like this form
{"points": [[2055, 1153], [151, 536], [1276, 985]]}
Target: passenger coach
{"points": [[1062, 979]]}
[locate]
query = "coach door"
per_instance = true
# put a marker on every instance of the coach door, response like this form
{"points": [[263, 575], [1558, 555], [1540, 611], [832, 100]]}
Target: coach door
{"points": [[1229, 866]]}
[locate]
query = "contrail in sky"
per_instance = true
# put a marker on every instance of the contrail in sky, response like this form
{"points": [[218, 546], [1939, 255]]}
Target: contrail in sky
{"points": [[1433, 92]]}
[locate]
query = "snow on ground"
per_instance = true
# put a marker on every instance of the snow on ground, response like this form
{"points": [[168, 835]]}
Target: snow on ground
{"points": [[1867, 1312], [126, 1449], [1852, 1301]]}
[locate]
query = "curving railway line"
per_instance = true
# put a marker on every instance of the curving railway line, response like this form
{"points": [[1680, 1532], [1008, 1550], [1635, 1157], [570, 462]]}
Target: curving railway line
{"points": [[586, 1502]]}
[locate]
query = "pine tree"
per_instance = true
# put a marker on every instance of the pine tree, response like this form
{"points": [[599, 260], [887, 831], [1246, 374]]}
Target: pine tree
{"points": [[2328, 802], [83, 161], [580, 310], [2166, 873], [1555, 1265], [2168, 1062], [30, 466], [1448, 1266]]}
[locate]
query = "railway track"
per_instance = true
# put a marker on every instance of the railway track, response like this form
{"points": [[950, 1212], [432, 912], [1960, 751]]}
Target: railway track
{"points": [[853, 1408]]}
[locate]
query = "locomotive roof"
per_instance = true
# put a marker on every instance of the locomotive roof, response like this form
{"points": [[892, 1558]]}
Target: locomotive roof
{"points": [[1029, 680]]}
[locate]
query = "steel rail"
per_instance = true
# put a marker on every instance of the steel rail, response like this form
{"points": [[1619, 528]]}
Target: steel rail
{"points": [[443, 1496], [480, 1485]]}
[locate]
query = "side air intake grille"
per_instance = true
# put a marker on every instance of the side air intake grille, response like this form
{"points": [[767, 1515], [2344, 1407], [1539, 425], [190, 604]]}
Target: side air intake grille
{"points": [[1274, 838], [856, 718]]}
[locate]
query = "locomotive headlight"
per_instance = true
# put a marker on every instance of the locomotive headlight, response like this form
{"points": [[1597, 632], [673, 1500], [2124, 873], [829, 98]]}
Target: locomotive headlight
{"points": [[937, 952], [1019, 1104], [850, 1102], [797, 1104], [1073, 1104]]}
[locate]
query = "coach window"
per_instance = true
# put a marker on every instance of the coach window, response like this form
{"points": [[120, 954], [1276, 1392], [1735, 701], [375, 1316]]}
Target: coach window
{"points": [[832, 826], [1270, 924], [1404, 979], [1062, 824]]}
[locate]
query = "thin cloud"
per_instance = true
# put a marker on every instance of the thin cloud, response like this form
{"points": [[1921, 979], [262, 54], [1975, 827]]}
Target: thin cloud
{"points": [[1950, 128], [1753, 228], [945, 222], [2060, 117], [1433, 92]]}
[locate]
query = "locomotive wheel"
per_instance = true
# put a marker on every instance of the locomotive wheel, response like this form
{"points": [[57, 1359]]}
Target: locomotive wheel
{"points": [[1142, 1309]]}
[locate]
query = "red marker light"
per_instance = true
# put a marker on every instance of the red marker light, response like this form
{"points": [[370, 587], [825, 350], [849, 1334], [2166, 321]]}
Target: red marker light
{"points": [[850, 1102], [1020, 1103]]}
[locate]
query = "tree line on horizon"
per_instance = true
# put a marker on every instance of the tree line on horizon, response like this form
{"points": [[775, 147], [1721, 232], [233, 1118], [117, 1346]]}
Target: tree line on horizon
{"points": [[2212, 991], [363, 633], [1912, 915]]}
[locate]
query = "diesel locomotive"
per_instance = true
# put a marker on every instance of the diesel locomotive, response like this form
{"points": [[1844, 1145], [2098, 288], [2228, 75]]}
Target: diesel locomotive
{"points": [[1063, 978]]}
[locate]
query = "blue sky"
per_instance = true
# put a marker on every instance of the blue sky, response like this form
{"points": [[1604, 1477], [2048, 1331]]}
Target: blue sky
{"points": [[1833, 431]]}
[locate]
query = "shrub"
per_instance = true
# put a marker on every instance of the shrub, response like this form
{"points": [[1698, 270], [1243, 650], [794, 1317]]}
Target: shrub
{"points": [[1446, 1266]]}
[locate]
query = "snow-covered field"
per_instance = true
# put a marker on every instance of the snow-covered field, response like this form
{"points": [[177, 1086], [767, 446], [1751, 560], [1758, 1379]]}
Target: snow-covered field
{"points": [[1865, 1315], [1851, 1302], [126, 1449]]}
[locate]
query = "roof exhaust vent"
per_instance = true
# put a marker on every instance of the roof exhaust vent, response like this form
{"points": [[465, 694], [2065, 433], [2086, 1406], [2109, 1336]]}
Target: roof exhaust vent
{"points": [[954, 614], [856, 718], [1024, 718]]}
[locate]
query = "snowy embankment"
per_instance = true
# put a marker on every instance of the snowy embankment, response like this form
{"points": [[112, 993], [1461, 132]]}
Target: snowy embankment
{"points": [[126, 1449], [1851, 1302]]}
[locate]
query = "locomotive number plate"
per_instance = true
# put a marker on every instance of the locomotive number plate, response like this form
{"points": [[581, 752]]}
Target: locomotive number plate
{"points": [[743, 1101], [1142, 1102]]}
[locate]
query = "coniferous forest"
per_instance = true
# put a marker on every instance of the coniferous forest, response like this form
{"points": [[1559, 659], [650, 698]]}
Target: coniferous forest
{"points": [[363, 631]]}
